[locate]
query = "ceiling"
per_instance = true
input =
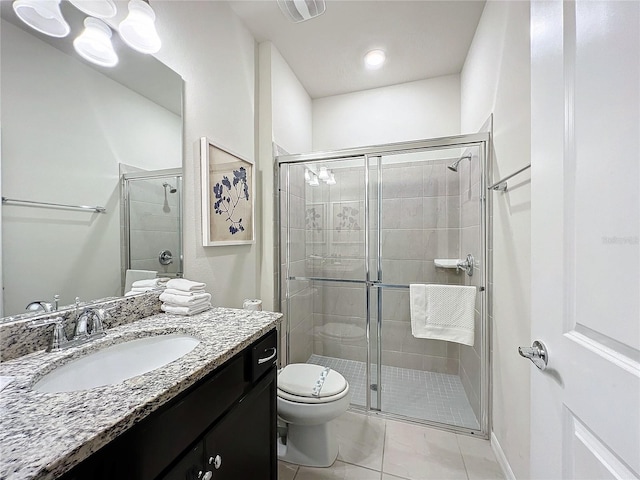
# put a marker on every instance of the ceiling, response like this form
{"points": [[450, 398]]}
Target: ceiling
{"points": [[422, 39]]}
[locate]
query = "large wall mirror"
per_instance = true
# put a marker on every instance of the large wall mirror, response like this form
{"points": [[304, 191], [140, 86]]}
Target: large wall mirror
{"points": [[71, 132]]}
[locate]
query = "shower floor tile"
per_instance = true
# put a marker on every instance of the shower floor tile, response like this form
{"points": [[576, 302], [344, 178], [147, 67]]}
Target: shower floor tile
{"points": [[418, 394]]}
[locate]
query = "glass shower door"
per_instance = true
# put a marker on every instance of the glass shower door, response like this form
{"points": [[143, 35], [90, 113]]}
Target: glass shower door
{"points": [[324, 257], [429, 211]]}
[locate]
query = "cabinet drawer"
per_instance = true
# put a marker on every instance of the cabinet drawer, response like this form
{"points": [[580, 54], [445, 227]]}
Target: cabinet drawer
{"points": [[264, 355]]}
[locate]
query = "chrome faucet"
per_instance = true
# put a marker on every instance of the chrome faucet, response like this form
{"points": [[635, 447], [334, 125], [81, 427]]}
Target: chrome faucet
{"points": [[90, 323], [44, 306]]}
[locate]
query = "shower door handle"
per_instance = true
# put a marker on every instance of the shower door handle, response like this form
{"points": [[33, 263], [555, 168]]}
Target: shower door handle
{"points": [[537, 353]]}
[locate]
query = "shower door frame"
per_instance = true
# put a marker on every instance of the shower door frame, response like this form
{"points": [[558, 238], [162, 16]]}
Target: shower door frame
{"points": [[482, 141]]}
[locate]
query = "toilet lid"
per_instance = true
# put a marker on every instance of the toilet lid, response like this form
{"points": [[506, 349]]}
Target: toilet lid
{"points": [[300, 379]]}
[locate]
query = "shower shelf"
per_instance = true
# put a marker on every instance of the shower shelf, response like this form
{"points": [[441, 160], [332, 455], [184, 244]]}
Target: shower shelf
{"points": [[447, 262]]}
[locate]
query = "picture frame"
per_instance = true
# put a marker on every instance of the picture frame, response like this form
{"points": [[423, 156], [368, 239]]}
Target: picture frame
{"points": [[228, 196]]}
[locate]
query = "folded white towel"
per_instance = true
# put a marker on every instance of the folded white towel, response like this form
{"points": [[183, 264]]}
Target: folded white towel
{"points": [[182, 293], [443, 312], [185, 285], [185, 310], [183, 300], [135, 275], [144, 289], [151, 282]]}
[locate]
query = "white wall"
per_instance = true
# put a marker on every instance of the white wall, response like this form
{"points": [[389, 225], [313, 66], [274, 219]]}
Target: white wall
{"points": [[409, 111], [66, 127], [292, 108], [284, 118], [207, 44], [495, 79]]}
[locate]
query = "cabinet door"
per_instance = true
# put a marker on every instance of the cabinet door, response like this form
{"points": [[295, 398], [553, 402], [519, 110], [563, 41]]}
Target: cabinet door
{"points": [[189, 467], [242, 445]]}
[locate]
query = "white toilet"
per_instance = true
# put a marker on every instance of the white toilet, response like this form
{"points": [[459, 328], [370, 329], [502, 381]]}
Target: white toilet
{"points": [[309, 398]]}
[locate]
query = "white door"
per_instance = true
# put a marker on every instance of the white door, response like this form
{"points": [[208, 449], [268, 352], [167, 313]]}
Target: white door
{"points": [[585, 93]]}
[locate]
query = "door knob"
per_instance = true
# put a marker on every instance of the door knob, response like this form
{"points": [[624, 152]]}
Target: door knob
{"points": [[537, 353]]}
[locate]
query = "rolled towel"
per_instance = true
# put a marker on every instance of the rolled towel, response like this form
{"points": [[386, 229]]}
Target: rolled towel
{"points": [[185, 285], [185, 310], [182, 293], [184, 300]]}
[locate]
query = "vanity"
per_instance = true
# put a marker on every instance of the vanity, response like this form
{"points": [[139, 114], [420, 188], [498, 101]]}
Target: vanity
{"points": [[210, 414]]}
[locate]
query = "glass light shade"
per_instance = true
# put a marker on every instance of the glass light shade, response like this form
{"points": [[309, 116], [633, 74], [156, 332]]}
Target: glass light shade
{"points": [[324, 174], [375, 59], [94, 43], [314, 182], [42, 15], [96, 8], [331, 180], [138, 30]]}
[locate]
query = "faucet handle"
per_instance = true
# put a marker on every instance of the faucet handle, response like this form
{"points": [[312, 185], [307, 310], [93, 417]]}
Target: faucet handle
{"points": [[97, 325], [59, 338]]}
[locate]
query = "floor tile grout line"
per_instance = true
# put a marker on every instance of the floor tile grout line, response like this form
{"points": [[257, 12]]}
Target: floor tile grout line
{"points": [[464, 463]]}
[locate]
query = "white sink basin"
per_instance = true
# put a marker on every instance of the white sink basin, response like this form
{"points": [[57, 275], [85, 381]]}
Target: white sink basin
{"points": [[117, 363]]}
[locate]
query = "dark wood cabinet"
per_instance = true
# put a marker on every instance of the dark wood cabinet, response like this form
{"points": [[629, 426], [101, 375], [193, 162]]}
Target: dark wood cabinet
{"points": [[227, 420]]}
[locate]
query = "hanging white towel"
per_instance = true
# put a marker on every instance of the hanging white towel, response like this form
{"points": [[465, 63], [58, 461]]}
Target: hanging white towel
{"points": [[443, 312], [185, 285]]}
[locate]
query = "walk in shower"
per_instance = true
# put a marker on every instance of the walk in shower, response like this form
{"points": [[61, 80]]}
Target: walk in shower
{"points": [[357, 227], [152, 222]]}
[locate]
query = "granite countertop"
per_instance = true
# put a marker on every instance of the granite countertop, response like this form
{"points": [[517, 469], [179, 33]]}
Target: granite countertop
{"points": [[43, 435]]}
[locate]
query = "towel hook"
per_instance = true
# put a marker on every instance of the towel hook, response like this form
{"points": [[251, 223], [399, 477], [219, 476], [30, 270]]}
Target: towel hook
{"points": [[466, 265]]}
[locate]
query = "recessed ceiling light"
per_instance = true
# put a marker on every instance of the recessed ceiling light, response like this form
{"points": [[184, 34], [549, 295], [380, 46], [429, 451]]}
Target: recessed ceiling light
{"points": [[374, 59]]}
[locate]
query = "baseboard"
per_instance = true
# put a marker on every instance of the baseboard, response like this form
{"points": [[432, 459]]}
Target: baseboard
{"points": [[501, 458]]}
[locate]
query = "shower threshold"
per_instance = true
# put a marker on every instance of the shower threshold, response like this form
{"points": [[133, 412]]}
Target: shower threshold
{"points": [[428, 396]]}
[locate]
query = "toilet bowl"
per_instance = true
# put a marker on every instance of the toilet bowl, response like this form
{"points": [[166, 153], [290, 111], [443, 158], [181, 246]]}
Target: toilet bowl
{"points": [[310, 397]]}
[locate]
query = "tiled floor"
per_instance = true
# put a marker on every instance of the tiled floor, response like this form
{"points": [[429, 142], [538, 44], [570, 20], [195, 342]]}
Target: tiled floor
{"points": [[373, 448], [418, 394]]}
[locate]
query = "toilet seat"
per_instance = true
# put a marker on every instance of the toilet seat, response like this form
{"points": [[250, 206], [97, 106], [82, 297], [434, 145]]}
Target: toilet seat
{"points": [[296, 383]]}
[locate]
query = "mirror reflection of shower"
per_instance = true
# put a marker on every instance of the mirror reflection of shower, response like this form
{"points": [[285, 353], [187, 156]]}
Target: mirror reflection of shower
{"points": [[153, 222], [172, 189], [454, 166], [166, 208]]}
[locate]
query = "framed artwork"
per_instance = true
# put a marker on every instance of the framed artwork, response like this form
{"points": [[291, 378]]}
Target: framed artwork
{"points": [[227, 197], [347, 222], [315, 222]]}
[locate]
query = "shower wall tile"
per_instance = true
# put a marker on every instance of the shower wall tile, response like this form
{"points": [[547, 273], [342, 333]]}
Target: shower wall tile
{"points": [[452, 180], [434, 179], [346, 330], [435, 213], [301, 338], [472, 396], [399, 181], [453, 212], [340, 300], [300, 307], [404, 244]]}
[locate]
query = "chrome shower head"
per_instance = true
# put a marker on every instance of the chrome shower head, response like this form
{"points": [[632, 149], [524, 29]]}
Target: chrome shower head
{"points": [[454, 166], [172, 189]]}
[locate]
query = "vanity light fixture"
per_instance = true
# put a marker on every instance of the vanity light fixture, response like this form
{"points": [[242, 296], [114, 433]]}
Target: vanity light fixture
{"points": [[324, 174], [96, 8], [138, 30], [375, 59], [42, 15], [314, 182], [331, 180], [94, 43]]}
